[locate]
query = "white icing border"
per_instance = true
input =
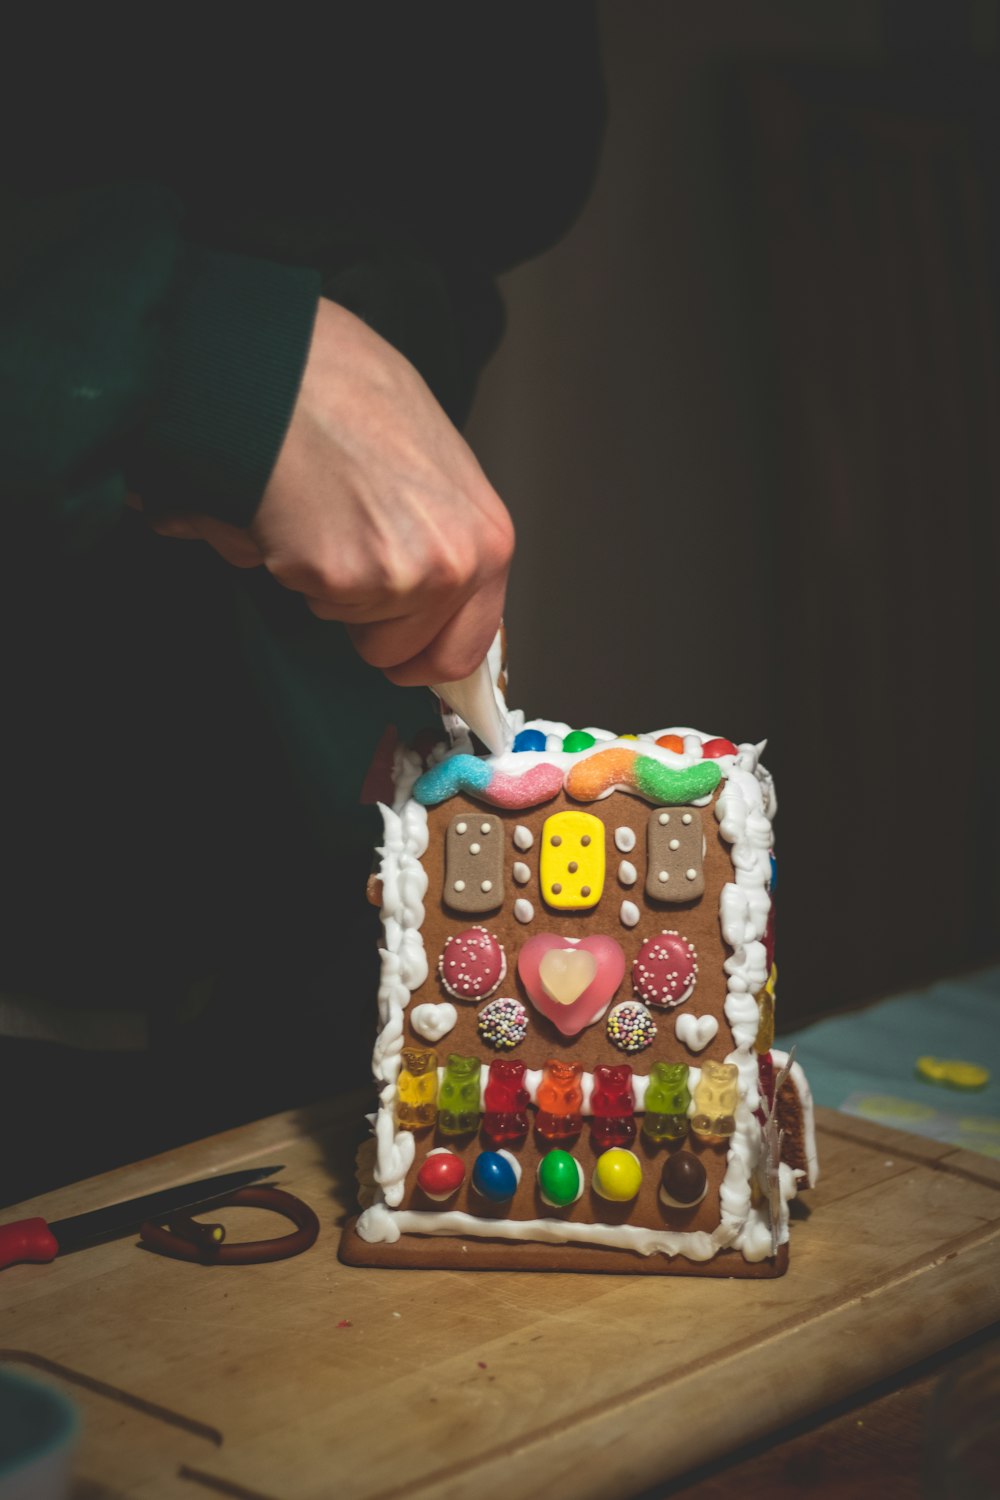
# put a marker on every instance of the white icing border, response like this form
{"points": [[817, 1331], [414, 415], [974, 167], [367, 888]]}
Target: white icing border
{"points": [[744, 809]]}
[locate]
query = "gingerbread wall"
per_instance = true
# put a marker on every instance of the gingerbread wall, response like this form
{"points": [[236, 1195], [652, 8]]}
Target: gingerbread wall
{"points": [[697, 920]]}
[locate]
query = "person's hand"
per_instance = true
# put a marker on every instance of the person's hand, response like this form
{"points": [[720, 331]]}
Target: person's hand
{"points": [[377, 512]]}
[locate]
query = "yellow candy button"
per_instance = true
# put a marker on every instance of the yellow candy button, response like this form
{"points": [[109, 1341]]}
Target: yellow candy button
{"points": [[953, 1073], [571, 868], [617, 1175]]}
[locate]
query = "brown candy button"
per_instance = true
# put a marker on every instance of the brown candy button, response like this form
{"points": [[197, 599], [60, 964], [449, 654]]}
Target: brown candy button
{"points": [[684, 1181]]}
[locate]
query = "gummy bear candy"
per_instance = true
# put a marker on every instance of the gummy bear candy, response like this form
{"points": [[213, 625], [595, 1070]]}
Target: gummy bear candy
{"points": [[458, 1100], [506, 1101], [765, 1013], [612, 1105], [416, 1089], [667, 1100], [715, 1101], [560, 1101]]}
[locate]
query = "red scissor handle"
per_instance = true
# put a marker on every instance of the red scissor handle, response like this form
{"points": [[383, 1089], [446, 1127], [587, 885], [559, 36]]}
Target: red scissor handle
{"points": [[27, 1239]]}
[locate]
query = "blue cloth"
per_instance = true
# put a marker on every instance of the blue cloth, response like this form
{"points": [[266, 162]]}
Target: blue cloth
{"points": [[865, 1063]]}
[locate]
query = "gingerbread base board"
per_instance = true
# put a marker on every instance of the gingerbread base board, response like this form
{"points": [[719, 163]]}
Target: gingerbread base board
{"points": [[438, 1252]]}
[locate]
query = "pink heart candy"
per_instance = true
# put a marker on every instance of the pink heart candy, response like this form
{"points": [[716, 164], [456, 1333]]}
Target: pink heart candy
{"points": [[590, 1005]]}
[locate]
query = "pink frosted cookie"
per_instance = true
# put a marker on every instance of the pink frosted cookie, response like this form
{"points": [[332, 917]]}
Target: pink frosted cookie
{"points": [[665, 969], [472, 964]]}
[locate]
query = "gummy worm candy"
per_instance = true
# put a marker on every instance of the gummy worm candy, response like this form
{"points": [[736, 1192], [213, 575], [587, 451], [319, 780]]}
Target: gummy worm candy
{"points": [[467, 773], [617, 767]]}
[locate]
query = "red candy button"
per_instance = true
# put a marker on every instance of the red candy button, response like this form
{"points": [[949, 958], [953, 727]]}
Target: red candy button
{"points": [[665, 969], [472, 964], [715, 749], [441, 1175]]}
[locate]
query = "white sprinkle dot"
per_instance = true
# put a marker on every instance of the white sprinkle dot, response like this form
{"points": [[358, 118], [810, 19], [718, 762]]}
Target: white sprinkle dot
{"points": [[691, 874], [675, 843], [474, 848], [484, 828], [664, 818], [487, 885], [686, 818], [664, 876], [461, 827], [460, 885]]}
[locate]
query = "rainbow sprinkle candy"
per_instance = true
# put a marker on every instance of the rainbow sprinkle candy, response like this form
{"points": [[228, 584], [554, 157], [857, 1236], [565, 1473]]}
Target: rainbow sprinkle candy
{"points": [[630, 1027], [503, 1024]]}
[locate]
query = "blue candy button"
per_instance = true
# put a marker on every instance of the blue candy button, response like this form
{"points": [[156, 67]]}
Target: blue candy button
{"points": [[494, 1177], [529, 739]]}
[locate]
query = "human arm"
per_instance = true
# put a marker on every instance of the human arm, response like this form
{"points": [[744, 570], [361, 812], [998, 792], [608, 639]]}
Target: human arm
{"points": [[377, 512]]}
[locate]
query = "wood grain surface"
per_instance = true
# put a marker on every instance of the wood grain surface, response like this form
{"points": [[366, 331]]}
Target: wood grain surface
{"points": [[308, 1378]]}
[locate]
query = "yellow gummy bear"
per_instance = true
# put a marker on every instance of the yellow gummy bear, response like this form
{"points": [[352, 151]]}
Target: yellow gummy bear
{"points": [[953, 1073], [571, 868], [715, 1097], [416, 1089], [765, 1009]]}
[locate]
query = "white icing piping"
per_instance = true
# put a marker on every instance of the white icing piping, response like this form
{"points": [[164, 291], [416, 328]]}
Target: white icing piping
{"points": [[382, 1225], [801, 1083], [404, 966]]}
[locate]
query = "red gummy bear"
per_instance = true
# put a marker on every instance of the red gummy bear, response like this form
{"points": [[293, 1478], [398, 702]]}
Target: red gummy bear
{"points": [[612, 1105], [505, 1100]]}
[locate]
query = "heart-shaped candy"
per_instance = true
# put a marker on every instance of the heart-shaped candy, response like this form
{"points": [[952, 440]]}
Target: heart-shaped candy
{"points": [[566, 972], [695, 1031], [570, 982], [432, 1022]]}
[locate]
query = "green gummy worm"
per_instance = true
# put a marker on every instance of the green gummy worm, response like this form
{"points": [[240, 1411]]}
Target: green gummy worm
{"points": [[661, 784]]}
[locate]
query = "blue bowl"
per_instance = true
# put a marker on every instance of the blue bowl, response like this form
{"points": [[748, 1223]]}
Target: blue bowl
{"points": [[39, 1429]]}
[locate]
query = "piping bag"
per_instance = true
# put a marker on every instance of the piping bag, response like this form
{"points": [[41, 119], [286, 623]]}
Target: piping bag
{"points": [[476, 701]]}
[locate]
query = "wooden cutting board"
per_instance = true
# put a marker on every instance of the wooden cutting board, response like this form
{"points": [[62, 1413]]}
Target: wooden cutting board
{"points": [[309, 1378]]}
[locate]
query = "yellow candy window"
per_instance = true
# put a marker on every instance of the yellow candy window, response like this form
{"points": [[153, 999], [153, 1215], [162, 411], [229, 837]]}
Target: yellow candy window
{"points": [[571, 868]]}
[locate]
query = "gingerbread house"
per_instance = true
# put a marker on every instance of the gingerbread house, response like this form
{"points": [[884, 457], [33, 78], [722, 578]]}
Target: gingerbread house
{"points": [[576, 1012]]}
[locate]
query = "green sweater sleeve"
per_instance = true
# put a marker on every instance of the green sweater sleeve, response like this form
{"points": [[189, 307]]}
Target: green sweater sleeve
{"points": [[132, 359]]}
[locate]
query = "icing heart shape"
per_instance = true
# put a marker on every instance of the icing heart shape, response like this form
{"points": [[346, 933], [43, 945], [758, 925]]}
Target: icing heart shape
{"points": [[432, 1022], [695, 1031], [571, 983]]}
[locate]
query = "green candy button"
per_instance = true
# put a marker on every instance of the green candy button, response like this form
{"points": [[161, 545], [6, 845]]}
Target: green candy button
{"points": [[559, 1178], [577, 739]]}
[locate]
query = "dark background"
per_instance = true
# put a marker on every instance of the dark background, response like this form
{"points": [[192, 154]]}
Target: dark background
{"points": [[746, 419]]}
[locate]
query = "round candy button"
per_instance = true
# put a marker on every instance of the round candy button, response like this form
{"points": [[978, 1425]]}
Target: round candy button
{"points": [[665, 970], [577, 739], [560, 1179], [684, 1181], [529, 739], [671, 742], [472, 964], [715, 749], [441, 1175], [495, 1175], [617, 1175]]}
